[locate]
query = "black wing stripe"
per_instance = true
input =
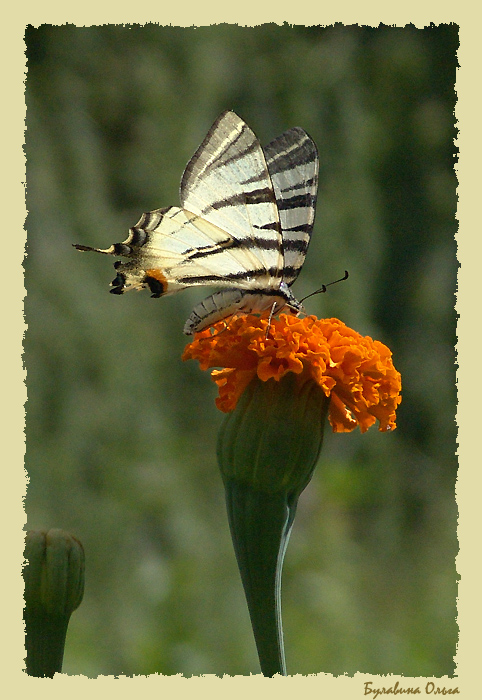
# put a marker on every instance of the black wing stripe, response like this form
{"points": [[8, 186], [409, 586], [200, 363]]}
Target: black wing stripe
{"points": [[271, 226], [204, 251], [298, 200], [295, 245], [151, 219], [138, 236], [231, 277], [290, 272], [302, 228], [293, 148], [252, 244], [260, 196], [300, 185]]}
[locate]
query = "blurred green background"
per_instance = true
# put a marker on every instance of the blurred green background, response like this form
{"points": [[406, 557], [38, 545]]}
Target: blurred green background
{"points": [[121, 433]]}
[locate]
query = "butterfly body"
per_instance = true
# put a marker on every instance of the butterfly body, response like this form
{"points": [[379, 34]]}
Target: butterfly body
{"points": [[230, 302], [244, 226]]}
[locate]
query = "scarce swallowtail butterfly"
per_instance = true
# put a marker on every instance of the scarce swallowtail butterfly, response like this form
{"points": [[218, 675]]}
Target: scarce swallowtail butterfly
{"points": [[244, 226]]}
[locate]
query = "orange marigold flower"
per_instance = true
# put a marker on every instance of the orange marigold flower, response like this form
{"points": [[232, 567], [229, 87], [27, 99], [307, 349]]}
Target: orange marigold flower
{"points": [[356, 372]]}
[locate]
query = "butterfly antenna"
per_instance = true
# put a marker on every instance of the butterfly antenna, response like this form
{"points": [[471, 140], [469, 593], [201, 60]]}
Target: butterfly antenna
{"points": [[323, 287]]}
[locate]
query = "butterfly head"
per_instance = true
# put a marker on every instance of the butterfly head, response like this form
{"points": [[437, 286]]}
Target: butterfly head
{"points": [[291, 303]]}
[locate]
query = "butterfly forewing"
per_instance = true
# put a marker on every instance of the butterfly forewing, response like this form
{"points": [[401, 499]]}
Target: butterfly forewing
{"points": [[227, 183], [292, 161]]}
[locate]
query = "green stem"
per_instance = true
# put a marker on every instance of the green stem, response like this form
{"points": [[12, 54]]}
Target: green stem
{"points": [[260, 526]]}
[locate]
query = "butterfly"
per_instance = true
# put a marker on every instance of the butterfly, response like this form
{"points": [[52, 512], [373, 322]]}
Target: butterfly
{"points": [[244, 226]]}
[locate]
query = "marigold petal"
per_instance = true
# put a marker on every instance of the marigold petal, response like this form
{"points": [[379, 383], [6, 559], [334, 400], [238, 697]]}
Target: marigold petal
{"points": [[341, 420], [231, 384]]}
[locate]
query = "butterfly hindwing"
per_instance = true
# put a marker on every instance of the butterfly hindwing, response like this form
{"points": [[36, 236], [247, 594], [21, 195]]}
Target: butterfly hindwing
{"points": [[188, 250], [166, 246]]}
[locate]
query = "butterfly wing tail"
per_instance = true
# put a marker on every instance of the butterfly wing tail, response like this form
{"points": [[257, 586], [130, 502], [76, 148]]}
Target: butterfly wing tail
{"points": [[87, 248]]}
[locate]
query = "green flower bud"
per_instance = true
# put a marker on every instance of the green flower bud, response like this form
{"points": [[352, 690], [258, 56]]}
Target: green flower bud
{"points": [[273, 438], [54, 587]]}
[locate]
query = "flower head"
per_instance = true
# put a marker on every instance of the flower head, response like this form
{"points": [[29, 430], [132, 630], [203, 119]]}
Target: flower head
{"points": [[356, 372]]}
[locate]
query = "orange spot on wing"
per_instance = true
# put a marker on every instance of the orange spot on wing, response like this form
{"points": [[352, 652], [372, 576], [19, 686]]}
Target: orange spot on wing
{"points": [[157, 274]]}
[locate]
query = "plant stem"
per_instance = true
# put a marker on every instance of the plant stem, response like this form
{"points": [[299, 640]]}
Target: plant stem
{"points": [[260, 525], [45, 642]]}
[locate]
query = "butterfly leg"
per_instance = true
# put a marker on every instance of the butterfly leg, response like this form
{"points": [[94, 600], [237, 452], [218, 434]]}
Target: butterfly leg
{"points": [[226, 326], [273, 307]]}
